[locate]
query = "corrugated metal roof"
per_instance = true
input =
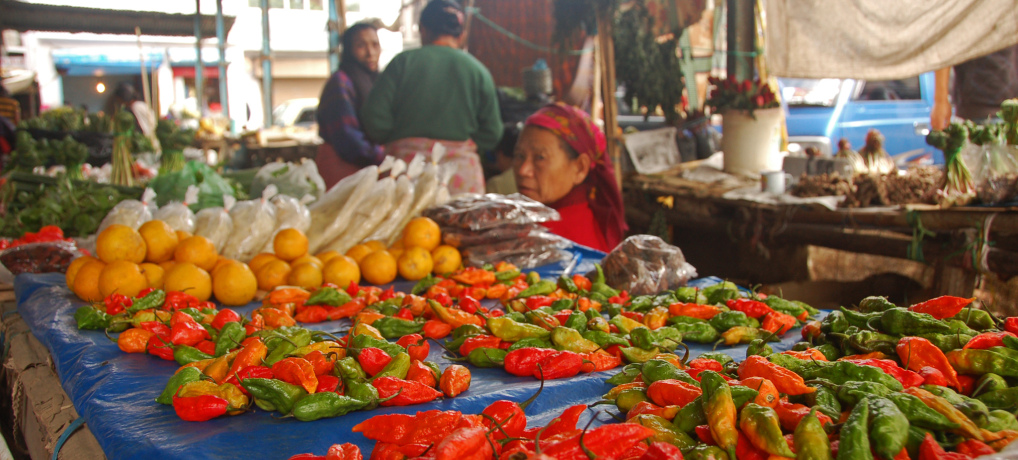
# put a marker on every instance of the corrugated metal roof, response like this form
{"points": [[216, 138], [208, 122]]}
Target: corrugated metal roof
{"points": [[24, 16]]}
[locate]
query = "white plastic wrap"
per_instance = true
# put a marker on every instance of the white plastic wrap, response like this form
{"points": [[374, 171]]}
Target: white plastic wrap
{"points": [[402, 201], [178, 215], [254, 222], [216, 223], [294, 179], [132, 213], [367, 216], [645, 264], [331, 213], [290, 213], [425, 189]]}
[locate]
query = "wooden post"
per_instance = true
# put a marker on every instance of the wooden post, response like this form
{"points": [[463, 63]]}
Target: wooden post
{"points": [[607, 43], [465, 38]]}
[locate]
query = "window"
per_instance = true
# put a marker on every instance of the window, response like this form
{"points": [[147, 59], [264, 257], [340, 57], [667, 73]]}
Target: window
{"points": [[275, 3], [353, 6], [317, 5], [296, 4], [889, 90]]}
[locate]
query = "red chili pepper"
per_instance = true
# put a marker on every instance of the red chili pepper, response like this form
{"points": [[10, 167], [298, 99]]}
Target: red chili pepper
{"points": [[185, 330], [250, 372], [412, 392], [930, 450], [1011, 324], [582, 282], [158, 347], [607, 441], [932, 376], [440, 297], [307, 456], [199, 408], [421, 373], [671, 392], [562, 364], [647, 407], [620, 299], [752, 308], [388, 294], [598, 361], [320, 362], [373, 360], [345, 451], [778, 322], [562, 316], [703, 434], [917, 353], [966, 384], [523, 361], [327, 383], [565, 422], [436, 329], [811, 330], [116, 303], [693, 310], [423, 428], [479, 341], [311, 314], [466, 443], [469, 304], [974, 448], [907, 378], [206, 346], [156, 328], [987, 340], [633, 315], [496, 314], [176, 300], [455, 380], [636, 452], [537, 301], [942, 307], [706, 365], [404, 313], [224, 316], [790, 414], [297, 371], [745, 450], [415, 345]]}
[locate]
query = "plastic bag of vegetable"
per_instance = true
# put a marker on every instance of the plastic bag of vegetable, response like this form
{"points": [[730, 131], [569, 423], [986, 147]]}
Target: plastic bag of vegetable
{"points": [[402, 200], [131, 213], [290, 213], [293, 179], [331, 213], [215, 223], [254, 222], [177, 214], [368, 214], [425, 188], [645, 264], [211, 186], [995, 181]]}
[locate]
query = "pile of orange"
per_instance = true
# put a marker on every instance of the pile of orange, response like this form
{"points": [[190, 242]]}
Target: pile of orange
{"points": [[417, 254], [289, 264]]}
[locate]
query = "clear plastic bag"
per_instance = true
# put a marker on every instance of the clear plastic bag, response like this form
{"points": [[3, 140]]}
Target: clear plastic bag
{"points": [[293, 179], [402, 201], [48, 257], [995, 182], [536, 243], [645, 264], [254, 222], [481, 212], [425, 188], [215, 223], [290, 213], [177, 215], [331, 213], [367, 216], [131, 213], [525, 260], [458, 237]]}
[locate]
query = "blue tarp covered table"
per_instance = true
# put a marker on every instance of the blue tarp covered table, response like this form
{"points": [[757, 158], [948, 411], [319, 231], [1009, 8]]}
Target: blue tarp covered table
{"points": [[115, 391]]}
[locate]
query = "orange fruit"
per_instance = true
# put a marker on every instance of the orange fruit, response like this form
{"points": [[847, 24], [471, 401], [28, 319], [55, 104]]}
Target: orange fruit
{"points": [[379, 267], [261, 259], [305, 259], [447, 259], [86, 281], [121, 277], [341, 271], [160, 240], [197, 250], [326, 256], [233, 283], [396, 251], [423, 232], [414, 264], [374, 245], [120, 242], [190, 278], [183, 235], [154, 274], [272, 274], [167, 265], [72, 269], [306, 275], [219, 263], [290, 244], [358, 251]]}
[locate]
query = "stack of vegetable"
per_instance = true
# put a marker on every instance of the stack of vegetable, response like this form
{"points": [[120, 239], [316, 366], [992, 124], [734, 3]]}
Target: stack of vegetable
{"points": [[172, 140], [30, 202], [30, 153]]}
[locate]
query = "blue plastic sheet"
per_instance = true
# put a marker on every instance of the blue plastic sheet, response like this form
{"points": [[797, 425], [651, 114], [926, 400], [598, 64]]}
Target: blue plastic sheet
{"points": [[115, 391]]}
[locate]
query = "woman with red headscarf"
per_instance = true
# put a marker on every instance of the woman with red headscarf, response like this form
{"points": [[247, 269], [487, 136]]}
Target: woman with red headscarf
{"points": [[560, 161]]}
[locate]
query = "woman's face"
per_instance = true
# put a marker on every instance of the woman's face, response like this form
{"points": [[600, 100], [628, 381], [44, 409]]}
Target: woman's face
{"points": [[543, 169], [366, 49]]}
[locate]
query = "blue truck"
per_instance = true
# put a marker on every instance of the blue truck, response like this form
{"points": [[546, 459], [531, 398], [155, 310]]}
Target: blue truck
{"points": [[821, 112]]}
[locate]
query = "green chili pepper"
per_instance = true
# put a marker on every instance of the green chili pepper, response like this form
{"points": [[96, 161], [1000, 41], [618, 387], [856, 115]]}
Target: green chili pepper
{"points": [[979, 320], [487, 357], [875, 304], [705, 452], [888, 427], [947, 342], [230, 337], [989, 382], [784, 306], [398, 367], [325, 405], [596, 324], [467, 330], [840, 372], [659, 369], [425, 283], [973, 408], [855, 439], [350, 369], [759, 347], [717, 356], [834, 322], [637, 354], [692, 415], [542, 287], [512, 331], [959, 327], [91, 318], [857, 319], [997, 360], [392, 327], [871, 341], [153, 299], [916, 436], [810, 440], [744, 334], [366, 341], [517, 316], [187, 374], [184, 354], [664, 431], [532, 278], [685, 320], [1001, 420], [1006, 398], [762, 427], [720, 410], [728, 319], [280, 394], [919, 414], [627, 399], [578, 321], [642, 338], [697, 332], [825, 400], [628, 373], [507, 275], [900, 321], [387, 308], [567, 284], [605, 339], [331, 296], [568, 339], [667, 337], [532, 342], [362, 391], [719, 293], [689, 294], [831, 352], [561, 304]]}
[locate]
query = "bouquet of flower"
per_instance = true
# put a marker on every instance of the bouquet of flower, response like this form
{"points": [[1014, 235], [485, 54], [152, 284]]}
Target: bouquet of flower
{"points": [[745, 95]]}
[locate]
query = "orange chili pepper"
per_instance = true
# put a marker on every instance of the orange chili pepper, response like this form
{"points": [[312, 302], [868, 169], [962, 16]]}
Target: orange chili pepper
{"points": [[348, 309], [647, 407], [200, 365], [776, 321], [297, 371], [767, 392], [671, 392], [496, 291], [916, 353], [251, 354], [454, 317], [784, 380], [416, 304], [809, 354], [791, 414], [275, 318], [474, 276], [219, 368], [455, 380], [600, 360], [321, 364], [367, 317], [287, 295], [874, 355], [134, 340], [655, 319], [614, 392], [693, 310]]}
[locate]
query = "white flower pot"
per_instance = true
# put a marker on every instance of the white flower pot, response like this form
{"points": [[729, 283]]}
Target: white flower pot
{"points": [[751, 145]]}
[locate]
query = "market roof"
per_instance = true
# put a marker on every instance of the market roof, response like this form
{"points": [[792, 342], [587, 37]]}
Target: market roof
{"points": [[25, 16]]}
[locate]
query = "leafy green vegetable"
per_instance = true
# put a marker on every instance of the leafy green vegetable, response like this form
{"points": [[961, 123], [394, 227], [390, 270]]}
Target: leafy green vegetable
{"points": [[172, 186]]}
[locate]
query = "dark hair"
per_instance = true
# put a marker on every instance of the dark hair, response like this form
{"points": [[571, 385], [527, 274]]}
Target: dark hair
{"points": [[348, 37], [126, 92], [443, 17]]}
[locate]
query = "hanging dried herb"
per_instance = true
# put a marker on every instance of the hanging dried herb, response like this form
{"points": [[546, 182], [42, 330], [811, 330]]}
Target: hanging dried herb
{"points": [[646, 64]]}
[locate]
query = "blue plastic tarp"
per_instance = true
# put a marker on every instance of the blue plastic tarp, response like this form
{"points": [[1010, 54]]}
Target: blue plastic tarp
{"points": [[115, 391]]}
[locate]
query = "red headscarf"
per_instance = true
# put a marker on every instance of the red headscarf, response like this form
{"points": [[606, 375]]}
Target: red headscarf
{"points": [[599, 189]]}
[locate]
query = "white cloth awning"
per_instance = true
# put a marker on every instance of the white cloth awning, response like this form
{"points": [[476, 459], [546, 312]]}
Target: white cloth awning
{"points": [[882, 39]]}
